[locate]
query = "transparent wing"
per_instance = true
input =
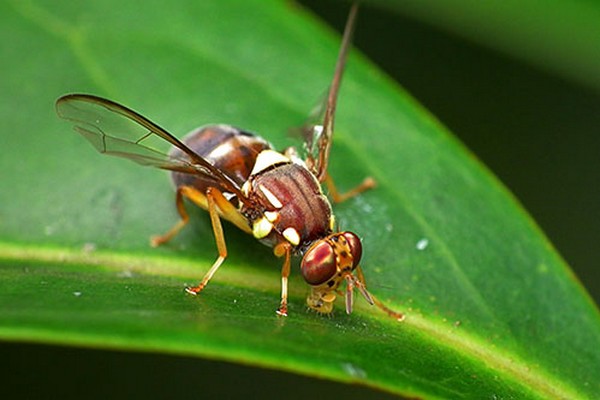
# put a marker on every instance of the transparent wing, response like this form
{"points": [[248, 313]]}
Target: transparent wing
{"points": [[310, 131], [119, 131], [318, 136]]}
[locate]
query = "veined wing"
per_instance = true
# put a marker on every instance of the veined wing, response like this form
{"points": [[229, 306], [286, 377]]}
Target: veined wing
{"points": [[319, 136], [119, 131]]}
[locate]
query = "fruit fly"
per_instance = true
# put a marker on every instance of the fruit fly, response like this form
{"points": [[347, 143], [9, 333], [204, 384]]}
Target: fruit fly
{"points": [[237, 176]]}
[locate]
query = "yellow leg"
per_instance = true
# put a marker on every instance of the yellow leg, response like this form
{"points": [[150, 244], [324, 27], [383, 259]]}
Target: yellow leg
{"points": [[284, 249], [225, 209], [157, 240], [219, 238], [337, 197], [217, 206]]}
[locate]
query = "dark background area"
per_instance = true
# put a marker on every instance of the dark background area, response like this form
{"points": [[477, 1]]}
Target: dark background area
{"points": [[71, 373], [535, 131]]}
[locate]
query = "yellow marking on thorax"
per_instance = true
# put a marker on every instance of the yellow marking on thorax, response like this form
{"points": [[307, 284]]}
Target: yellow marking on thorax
{"points": [[266, 158]]}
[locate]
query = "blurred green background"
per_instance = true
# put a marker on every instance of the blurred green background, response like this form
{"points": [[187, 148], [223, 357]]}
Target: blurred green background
{"points": [[536, 130]]}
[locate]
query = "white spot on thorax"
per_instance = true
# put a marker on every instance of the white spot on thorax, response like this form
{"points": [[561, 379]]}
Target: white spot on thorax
{"points": [[271, 216], [261, 228], [292, 236], [221, 150], [271, 197], [266, 158]]}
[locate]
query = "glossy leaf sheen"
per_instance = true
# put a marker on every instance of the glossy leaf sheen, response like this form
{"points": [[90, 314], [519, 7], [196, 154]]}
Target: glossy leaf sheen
{"points": [[492, 310]]}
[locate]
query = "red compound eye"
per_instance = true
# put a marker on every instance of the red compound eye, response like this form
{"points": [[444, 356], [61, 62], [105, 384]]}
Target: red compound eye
{"points": [[355, 246], [318, 264]]}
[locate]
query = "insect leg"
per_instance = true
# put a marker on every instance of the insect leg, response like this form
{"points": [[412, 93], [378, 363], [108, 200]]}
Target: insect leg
{"points": [[284, 249], [182, 191], [362, 287], [350, 281], [225, 208], [337, 197], [214, 199]]}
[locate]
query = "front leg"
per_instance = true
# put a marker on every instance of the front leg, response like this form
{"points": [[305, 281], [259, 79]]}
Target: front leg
{"points": [[284, 249]]}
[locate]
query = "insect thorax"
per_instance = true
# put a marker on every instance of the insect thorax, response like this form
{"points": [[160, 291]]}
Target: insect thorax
{"points": [[290, 205], [229, 149]]}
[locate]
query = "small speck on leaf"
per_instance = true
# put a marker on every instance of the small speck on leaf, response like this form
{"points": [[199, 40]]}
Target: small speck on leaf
{"points": [[354, 371], [422, 244]]}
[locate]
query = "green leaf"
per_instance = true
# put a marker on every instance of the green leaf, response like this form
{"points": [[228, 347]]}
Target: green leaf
{"points": [[492, 310]]}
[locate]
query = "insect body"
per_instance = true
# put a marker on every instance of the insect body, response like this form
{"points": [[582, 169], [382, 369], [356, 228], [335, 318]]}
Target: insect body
{"points": [[228, 149], [239, 177]]}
